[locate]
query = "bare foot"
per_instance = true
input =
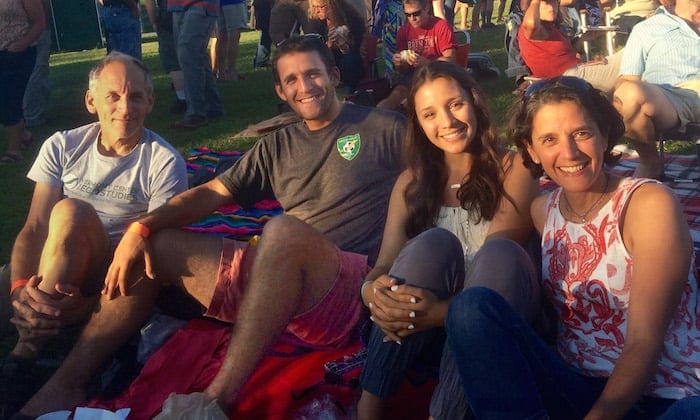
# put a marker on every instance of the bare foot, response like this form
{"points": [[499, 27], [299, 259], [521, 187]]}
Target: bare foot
{"points": [[53, 397]]}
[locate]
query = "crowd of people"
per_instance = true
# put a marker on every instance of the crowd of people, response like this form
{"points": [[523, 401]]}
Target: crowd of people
{"points": [[423, 222]]}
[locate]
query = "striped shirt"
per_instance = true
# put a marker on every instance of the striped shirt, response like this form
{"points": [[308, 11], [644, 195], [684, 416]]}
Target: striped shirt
{"points": [[662, 50]]}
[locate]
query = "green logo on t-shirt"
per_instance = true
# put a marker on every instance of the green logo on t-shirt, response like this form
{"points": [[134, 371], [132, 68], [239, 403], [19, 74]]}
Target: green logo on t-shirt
{"points": [[349, 146]]}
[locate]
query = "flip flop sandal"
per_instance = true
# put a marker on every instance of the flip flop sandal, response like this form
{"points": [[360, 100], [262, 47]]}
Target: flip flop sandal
{"points": [[10, 157]]}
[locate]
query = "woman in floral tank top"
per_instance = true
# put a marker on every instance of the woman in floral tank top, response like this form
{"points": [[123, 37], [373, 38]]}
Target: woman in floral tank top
{"points": [[617, 265]]}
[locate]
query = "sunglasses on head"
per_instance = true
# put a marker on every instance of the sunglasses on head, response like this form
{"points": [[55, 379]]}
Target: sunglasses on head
{"points": [[413, 14], [313, 37], [566, 81]]}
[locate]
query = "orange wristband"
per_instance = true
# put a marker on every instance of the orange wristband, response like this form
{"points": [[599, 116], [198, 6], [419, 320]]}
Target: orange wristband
{"points": [[17, 284], [140, 229]]}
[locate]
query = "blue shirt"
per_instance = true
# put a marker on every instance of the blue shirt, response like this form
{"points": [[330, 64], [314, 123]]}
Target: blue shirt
{"points": [[662, 50]]}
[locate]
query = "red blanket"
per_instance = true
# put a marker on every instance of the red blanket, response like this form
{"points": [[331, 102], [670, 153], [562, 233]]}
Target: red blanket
{"points": [[285, 385]]}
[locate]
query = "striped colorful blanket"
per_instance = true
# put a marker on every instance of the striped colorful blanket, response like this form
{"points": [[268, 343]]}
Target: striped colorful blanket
{"points": [[229, 221]]}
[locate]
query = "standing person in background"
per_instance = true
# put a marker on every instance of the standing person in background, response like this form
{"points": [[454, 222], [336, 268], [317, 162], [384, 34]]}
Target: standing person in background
{"points": [[462, 7], [487, 15], [388, 18], [193, 22], [122, 26], [501, 10], [36, 96], [262, 10], [22, 22], [162, 22], [233, 18], [344, 28]]}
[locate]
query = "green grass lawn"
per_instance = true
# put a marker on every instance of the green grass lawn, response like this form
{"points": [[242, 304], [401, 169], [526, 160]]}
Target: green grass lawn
{"points": [[246, 102]]}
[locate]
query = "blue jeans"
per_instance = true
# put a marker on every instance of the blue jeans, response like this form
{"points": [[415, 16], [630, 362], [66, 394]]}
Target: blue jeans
{"points": [[192, 29], [15, 69], [38, 91], [507, 370], [122, 30]]}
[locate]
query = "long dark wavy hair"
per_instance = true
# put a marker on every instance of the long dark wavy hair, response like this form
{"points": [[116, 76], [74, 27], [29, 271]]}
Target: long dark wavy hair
{"points": [[562, 89], [482, 188]]}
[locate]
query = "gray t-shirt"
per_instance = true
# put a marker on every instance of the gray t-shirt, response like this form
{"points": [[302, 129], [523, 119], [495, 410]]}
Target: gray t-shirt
{"points": [[121, 189], [337, 179]]}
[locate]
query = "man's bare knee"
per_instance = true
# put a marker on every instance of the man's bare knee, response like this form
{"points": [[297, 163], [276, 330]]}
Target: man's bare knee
{"points": [[288, 230], [71, 212]]}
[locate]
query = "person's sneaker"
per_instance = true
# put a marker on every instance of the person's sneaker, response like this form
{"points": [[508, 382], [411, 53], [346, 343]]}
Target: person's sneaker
{"points": [[192, 122], [178, 107]]}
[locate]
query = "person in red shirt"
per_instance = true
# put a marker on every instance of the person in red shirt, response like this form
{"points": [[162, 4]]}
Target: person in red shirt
{"points": [[421, 39], [548, 52]]}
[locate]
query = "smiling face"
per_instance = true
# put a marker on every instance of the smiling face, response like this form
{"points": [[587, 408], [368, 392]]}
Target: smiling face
{"points": [[568, 144], [308, 87], [446, 114], [121, 99]]}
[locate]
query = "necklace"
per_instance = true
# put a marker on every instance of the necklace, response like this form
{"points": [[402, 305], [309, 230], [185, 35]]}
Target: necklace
{"points": [[585, 214]]}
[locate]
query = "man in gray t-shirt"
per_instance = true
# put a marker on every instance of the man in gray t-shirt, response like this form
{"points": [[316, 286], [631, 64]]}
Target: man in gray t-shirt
{"points": [[332, 172], [90, 183]]}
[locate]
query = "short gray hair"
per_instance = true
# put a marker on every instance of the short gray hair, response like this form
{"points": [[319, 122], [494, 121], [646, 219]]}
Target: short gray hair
{"points": [[121, 57]]}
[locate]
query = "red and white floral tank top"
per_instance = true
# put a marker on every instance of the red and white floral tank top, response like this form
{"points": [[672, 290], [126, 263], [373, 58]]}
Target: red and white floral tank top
{"points": [[587, 273]]}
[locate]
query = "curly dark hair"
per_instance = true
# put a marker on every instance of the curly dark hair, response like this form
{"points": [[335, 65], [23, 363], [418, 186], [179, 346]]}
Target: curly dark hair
{"points": [[482, 187], [556, 90]]}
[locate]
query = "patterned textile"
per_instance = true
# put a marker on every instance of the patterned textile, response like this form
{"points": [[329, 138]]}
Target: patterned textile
{"points": [[231, 221]]}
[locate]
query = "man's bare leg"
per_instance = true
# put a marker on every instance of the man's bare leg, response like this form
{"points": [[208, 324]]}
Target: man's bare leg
{"points": [[77, 246], [112, 324], [188, 259], [646, 112], [294, 268]]}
